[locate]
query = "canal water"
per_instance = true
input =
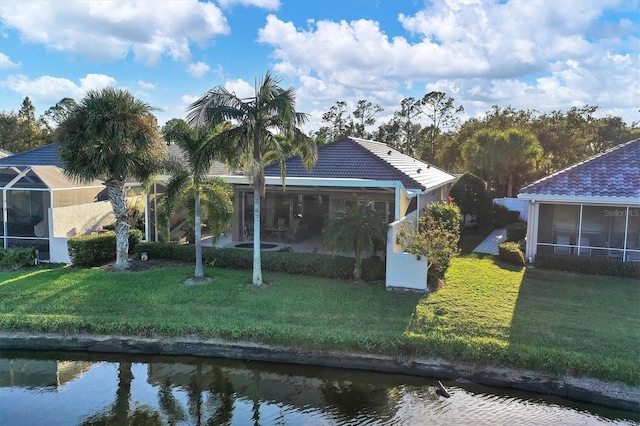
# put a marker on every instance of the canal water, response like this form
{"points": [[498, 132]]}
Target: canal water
{"points": [[47, 388]]}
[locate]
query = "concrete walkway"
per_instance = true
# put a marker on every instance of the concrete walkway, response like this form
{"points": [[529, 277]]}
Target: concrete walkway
{"points": [[490, 244]]}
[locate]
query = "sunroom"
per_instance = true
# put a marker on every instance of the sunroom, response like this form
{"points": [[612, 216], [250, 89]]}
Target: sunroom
{"points": [[589, 209], [38, 203]]}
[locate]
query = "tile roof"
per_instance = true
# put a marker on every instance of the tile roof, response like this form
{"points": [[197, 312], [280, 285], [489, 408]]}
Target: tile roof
{"points": [[353, 158], [217, 168], [46, 155], [614, 173]]}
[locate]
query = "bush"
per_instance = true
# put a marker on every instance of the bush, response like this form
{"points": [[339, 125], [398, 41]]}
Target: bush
{"points": [[311, 264], [16, 258], [510, 252], [588, 265], [516, 231], [502, 216], [91, 250]]}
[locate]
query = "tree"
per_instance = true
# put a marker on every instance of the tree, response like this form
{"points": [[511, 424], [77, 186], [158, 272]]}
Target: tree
{"points": [[363, 114], [442, 115], [435, 236], [112, 136], [254, 123], [189, 182], [340, 124], [22, 131], [402, 133], [481, 153], [519, 150], [357, 228], [60, 111], [470, 194]]}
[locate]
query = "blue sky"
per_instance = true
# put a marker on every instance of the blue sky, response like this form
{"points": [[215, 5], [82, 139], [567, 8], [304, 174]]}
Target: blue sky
{"points": [[530, 54]]}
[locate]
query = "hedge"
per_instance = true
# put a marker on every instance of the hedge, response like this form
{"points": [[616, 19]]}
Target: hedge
{"points": [[313, 264], [91, 250], [588, 265], [510, 252], [16, 258]]}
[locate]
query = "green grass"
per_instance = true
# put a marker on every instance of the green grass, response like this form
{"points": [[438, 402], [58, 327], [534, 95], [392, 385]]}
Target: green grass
{"points": [[487, 313]]}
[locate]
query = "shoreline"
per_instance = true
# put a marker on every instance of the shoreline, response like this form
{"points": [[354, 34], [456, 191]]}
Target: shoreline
{"points": [[614, 395]]}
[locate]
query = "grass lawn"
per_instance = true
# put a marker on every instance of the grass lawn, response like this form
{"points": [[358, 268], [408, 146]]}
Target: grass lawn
{"points": [[487, 313]]}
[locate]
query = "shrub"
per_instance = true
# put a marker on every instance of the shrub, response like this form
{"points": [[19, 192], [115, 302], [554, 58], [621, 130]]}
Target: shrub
{"points": [[588, 265], [16, 258], [91, 250], [312, 264], [516, 231], [435, 237], [502, 216], [510, 252]]}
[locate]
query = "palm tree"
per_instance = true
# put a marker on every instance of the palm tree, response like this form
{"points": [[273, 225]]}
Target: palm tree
{"points": [[255, 123], [357, 228], [189, 181], [112, 136]]}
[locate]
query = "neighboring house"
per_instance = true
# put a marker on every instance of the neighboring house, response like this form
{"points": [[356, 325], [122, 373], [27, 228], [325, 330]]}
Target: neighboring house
{"points": [[42, 209], [347, 169], [589, 209]]}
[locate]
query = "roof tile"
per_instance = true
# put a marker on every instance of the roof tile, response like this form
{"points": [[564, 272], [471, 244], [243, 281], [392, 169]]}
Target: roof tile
{"points": [[614, 173]]}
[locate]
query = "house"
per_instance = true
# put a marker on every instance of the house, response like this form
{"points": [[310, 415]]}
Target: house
{"points": [[589, 209], [348, 169], [395, 183], [42, 208]]}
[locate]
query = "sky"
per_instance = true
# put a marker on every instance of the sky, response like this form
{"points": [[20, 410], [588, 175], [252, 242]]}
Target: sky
{"points": [[529, 54]]}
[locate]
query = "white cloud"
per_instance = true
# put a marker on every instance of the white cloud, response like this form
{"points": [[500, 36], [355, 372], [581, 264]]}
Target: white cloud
{"points": [[189, 99], [264, 4], [198, 69], [241, 88], [108, 30], [146, 85], [532, 55], [48, 89], [5, 62]]}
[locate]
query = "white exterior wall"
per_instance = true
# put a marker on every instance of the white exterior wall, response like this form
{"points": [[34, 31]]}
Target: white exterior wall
{"points": [[69, 221], [404, 270]]}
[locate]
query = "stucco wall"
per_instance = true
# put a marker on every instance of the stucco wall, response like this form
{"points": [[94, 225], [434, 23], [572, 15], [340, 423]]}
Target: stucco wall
{"points": [[81, 219], [69, 221], [404, 270]]}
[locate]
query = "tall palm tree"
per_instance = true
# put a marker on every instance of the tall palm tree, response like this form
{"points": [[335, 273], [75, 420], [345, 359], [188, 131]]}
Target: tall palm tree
{"points": [[255, 123], [113, 136], [190, 181], [357, 228]]}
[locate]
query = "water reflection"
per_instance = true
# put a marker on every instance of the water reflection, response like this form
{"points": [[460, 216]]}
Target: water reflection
{"points": [[89, 389]]}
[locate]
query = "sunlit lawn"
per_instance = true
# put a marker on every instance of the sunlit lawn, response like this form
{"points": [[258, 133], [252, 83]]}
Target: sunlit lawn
{"points": [[485, 314]]}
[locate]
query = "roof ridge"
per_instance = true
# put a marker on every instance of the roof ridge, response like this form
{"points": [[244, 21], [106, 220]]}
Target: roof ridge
{"points": [[379, 158]]}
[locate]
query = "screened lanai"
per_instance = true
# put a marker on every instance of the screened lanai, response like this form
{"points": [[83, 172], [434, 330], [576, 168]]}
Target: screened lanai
{"points": [[28, 193]]}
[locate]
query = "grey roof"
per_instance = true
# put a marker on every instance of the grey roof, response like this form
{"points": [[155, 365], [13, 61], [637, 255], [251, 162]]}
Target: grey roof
{"points": [[614, 173], [217, 168], [46, 155], [354, 158]]}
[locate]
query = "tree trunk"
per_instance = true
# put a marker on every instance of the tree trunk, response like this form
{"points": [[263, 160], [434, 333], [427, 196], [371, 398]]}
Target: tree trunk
{"points": [[122, 404], [357, 269], [510, 186], [199, 273], [115, 188], [257, 263]]}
